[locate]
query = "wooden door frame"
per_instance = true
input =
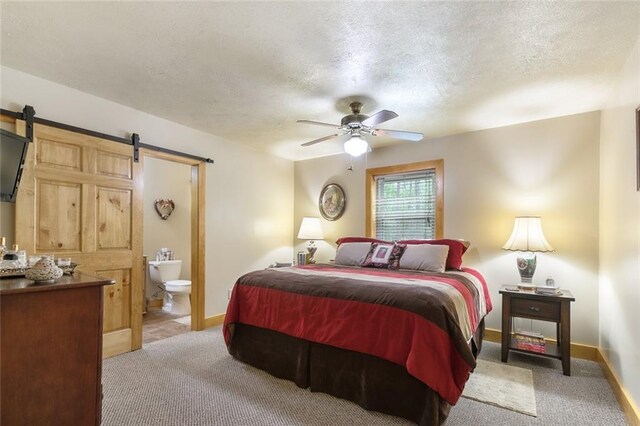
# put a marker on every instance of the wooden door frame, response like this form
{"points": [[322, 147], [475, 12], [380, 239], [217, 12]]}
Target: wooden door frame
{"points": [[197, 229]]}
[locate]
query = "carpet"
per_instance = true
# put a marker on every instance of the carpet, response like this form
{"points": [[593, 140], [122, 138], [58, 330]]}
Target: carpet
{"points": [[502, 385], [190, 379]]}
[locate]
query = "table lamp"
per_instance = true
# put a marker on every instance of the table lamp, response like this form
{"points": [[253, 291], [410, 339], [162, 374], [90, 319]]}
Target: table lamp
{"points": [[311, 230], [527, 238]]}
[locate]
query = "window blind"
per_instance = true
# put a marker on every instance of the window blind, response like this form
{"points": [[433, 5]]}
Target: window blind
{"points": [[406, 206]]}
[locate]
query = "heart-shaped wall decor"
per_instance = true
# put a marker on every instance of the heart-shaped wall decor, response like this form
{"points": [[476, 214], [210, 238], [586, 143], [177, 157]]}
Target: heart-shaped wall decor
{"points": [[164, 207]]}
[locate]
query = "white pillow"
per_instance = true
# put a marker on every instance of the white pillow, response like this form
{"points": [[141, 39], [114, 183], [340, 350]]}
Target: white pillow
{"points": [[425, 257], [352, 254]]}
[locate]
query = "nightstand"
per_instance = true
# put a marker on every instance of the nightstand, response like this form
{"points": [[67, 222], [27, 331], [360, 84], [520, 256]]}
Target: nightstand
{"points": [[553, 308]]}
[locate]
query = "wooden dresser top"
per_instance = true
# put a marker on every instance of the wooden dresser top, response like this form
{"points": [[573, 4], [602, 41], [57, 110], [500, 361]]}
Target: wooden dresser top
{"points": [[78, 279]]}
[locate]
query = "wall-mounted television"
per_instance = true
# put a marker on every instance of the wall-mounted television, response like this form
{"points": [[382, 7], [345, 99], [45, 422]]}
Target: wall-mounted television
{"points": [[13, 151]]}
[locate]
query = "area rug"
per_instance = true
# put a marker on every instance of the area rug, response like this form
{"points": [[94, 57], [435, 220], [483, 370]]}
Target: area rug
{"points": [[502, 385]]}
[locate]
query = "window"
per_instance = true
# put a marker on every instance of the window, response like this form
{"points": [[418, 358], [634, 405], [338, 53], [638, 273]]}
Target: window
{"points": [[405, 201]]}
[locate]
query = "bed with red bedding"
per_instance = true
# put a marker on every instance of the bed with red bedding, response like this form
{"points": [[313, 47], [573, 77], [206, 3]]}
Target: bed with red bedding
{"points": [[397, 341]]}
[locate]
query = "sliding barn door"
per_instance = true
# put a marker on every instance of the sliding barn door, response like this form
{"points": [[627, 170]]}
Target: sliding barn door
{"points": [[80, 197]]}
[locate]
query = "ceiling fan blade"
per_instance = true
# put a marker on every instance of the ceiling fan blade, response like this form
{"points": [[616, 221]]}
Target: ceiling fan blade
{"points": [[379, 117], [342, 137], [399, 134], [318, 123]]}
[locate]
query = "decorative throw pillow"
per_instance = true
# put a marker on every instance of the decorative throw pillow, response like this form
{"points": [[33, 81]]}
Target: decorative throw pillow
{"points": [[456, 249], [385, 255], [352, 254], [425, 257]]}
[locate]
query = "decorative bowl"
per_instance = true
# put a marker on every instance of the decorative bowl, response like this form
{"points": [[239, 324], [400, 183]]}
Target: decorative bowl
{"points": [[44, 271]]}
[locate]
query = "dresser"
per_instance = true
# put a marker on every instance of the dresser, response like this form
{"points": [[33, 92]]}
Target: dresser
{"points": [[51, 351]]}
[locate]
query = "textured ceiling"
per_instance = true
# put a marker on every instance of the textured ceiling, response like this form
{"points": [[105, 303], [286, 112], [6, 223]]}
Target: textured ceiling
{"points": [[245, 71]]}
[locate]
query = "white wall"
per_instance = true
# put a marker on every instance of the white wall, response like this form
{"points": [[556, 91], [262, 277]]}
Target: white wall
{"points": [[167, 180], [547, 168], [249, 201], [620, 230]]}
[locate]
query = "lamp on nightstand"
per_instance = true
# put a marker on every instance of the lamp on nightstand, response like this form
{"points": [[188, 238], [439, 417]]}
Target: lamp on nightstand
{"points": [[311, 230], [527, 238]]}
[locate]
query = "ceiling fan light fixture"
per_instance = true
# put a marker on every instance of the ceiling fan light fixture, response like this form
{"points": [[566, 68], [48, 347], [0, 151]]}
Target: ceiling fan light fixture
{"points": [[356, 125], [356, 146]]}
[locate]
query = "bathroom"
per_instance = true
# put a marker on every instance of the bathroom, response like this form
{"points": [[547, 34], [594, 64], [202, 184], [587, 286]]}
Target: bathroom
{"points": [[166, 237]]}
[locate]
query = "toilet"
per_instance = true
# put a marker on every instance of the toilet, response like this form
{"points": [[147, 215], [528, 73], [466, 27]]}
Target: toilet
{"points": [[166, 272]]}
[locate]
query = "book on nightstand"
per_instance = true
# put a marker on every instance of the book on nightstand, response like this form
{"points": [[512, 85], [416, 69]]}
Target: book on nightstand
{"points": [[548, 290], [530, 341]]}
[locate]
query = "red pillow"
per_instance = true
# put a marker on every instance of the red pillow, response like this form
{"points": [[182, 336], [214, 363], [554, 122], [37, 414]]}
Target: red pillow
{"points": [[360, 240], [456, 249]]}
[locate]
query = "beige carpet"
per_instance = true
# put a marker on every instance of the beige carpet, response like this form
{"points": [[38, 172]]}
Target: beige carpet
{"points": [[504, 386], [191, 380]]}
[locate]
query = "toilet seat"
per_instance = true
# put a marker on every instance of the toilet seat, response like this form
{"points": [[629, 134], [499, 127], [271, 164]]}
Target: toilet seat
{"points": [[178, 286], [179, 282]]}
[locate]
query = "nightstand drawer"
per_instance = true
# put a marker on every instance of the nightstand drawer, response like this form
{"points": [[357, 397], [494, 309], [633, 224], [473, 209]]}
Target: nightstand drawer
{"points": [[536, 309]]}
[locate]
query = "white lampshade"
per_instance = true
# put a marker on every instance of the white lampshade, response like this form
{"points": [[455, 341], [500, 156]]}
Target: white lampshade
{"points": [[310, 229], [356, 146], [527, 236]]}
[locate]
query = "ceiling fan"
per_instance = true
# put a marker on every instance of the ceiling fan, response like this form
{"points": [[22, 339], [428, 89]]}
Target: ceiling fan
{"points": [[356, 128]]}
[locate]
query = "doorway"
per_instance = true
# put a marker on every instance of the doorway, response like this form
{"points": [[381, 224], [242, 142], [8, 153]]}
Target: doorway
{"points": [[173, 220]]}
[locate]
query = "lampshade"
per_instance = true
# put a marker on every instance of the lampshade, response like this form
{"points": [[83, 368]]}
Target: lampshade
{"points": [[310, 229], [356, 146], [527, 236]]}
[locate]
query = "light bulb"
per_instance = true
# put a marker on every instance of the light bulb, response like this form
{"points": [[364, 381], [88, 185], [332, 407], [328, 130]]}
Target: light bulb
{"points": [[356, 146]]}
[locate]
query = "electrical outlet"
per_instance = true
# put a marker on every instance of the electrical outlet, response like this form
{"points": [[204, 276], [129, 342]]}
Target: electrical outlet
{"points": [[229, 293]]}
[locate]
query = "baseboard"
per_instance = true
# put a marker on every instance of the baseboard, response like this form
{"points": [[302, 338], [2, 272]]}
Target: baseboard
{"points": [[626, 402], [577, 350], [213, 321]]}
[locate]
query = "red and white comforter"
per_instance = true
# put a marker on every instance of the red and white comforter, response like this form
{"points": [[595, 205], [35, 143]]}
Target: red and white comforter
{"points": [[422, 321]]}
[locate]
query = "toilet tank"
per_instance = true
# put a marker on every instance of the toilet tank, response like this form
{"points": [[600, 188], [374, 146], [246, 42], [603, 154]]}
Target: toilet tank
{"points": [[164, 270]]}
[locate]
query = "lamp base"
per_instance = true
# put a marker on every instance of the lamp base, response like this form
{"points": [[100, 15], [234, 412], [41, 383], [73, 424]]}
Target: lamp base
{"points": [[311, 251], [526, 267]]}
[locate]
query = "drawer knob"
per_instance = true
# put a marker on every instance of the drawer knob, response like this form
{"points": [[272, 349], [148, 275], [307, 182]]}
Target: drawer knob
{"points": [[535, 309]]}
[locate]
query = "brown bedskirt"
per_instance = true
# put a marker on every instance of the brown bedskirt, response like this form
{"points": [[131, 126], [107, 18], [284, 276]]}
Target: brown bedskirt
{"points": [[369, 381]]}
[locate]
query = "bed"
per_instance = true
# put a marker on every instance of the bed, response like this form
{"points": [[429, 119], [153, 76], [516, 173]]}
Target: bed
{"points": [[396, 341]]}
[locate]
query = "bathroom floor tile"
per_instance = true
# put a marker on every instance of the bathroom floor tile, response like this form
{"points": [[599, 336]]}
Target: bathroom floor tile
{"points": [[158, 324]]}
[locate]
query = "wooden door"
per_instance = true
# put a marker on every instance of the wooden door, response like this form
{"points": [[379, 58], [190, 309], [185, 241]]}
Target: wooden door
{"points": [[80, 197]]}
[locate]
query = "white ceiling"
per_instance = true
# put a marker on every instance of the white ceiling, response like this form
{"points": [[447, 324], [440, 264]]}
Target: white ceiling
{"points": [[245, 71]]}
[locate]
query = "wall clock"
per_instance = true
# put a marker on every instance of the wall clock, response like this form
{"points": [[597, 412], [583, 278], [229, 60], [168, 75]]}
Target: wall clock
{"points": [[332, 201]]}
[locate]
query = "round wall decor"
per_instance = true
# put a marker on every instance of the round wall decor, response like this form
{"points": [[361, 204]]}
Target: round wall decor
{"points": [[332, 201]]}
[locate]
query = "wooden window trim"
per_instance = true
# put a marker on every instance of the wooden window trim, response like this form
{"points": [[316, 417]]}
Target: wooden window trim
{"points": [[370, 193]]}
